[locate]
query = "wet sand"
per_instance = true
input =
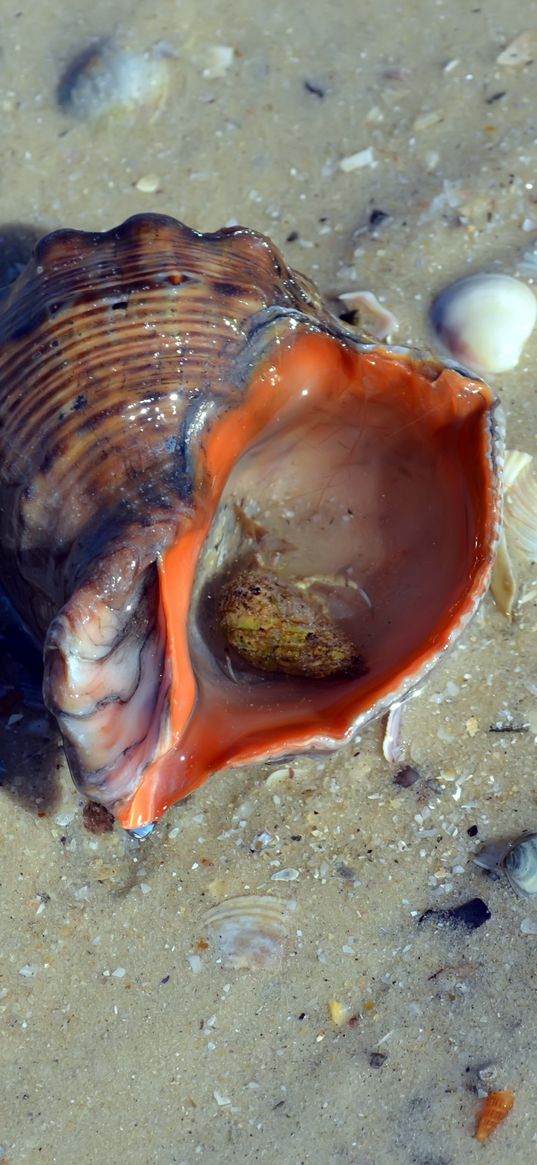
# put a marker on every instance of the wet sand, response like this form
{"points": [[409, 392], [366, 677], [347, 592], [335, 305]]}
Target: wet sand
{"points": [[123, 1035]]}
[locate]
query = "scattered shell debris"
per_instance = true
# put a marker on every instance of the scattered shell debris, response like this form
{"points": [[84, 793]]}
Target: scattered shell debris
{"points": [[249, 932], [520, 51], [503, 583], [104, 80], [485, 320], [148, 184], [528, 926], [339, 1013], [358, 160], [378, 320], [495, 1108]]}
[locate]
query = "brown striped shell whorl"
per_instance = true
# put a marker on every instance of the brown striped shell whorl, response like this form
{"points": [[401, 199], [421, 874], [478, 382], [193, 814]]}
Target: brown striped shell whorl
{"points": [[238, 530]]}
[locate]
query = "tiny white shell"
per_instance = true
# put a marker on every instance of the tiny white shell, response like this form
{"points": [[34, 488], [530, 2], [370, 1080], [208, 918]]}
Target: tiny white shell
{"points": [[249, 932], [503, 582], [484, 321]]}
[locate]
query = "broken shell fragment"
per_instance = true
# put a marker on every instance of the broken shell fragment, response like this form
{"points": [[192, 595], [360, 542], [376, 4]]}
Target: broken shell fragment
{"points": [[503, 583], [105, 80], [484, 321], [360, 480], [380, 322], [249, 932]]}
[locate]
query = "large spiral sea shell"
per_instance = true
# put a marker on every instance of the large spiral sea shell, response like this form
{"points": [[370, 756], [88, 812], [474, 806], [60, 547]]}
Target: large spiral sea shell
{"points": [[177, 409]]}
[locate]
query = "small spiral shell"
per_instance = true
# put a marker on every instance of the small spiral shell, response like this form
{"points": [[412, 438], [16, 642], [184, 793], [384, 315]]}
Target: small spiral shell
{"points": [[495, 1109]]}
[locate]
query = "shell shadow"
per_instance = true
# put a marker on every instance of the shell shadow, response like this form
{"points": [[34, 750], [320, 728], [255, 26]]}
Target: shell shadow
{"points": [[29, 738], [17, 241]]}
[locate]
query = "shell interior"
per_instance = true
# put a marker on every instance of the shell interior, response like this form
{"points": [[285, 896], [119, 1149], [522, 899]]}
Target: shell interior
{"points": [[368, 478]]}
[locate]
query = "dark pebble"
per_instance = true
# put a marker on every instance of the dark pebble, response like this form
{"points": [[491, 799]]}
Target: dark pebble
{"points": [[471, 914], [96, 818], [376, 217], [314, 88], [472, 831], [377, 1059], [406, 777]]}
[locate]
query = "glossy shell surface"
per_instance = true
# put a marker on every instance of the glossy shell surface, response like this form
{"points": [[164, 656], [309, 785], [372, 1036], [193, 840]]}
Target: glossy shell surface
{"points": [[176, 409], [496, 1107]]}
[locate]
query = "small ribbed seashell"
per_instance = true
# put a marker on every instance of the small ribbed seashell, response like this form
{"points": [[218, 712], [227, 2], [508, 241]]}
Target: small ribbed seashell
{"points": [[495, 1109], [520, 499], [249, 932], [484, 321], [105, 80]]}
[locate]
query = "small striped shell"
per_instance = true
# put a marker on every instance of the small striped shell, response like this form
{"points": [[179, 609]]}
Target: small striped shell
{"points": [[495, 1109], [249, 932], [177, 406]]}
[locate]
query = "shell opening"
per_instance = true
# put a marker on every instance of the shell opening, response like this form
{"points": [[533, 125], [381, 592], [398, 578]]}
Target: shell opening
{"points": [[363, 480]]}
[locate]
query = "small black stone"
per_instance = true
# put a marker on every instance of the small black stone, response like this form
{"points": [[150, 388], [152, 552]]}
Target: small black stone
{"points": [[315, 88], [377, 216], [472, 831], [471, 914], [377, 1059], [406, 777]]}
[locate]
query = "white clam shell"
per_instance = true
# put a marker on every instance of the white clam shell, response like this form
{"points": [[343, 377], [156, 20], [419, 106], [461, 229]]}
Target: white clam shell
{"points": [[485, 320], [249, 932]]}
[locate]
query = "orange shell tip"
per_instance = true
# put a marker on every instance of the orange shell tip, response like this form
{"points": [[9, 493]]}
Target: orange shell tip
{"points": [[495, 1109]]}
